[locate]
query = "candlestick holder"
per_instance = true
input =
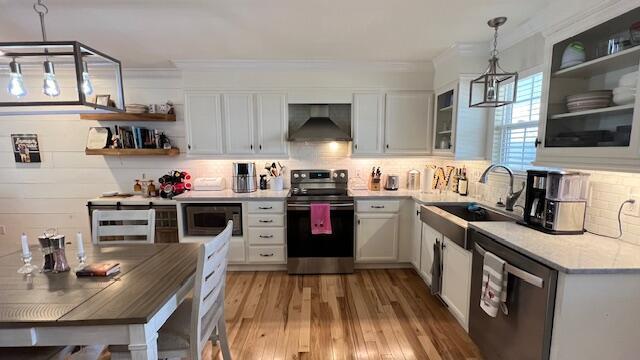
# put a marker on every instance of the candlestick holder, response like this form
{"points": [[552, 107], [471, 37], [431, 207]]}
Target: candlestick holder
{"points": [[82, 262], [27, 268]]}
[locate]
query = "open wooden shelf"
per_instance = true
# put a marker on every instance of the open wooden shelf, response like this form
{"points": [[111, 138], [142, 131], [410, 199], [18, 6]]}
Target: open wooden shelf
{"points": [[620, 60], [128, 117], [133, 152], [594, 111]]}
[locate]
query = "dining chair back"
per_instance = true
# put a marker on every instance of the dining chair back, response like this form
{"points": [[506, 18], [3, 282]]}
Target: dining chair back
{"points": [[207, 313], [123, 227]]}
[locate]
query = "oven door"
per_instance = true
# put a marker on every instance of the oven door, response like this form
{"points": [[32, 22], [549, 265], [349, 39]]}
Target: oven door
{"points": [[208, 220], [302, 244]]}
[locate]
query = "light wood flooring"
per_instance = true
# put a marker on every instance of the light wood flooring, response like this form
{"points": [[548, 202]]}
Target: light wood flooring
{"points": [[371, 314]]}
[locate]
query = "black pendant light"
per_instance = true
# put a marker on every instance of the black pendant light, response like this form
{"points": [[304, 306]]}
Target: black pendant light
{"points": [[488, 90], [68, 92]]}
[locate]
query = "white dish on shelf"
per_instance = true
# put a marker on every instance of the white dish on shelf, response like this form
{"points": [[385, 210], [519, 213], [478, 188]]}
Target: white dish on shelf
{"points": [[629, 80], [624, 98]]}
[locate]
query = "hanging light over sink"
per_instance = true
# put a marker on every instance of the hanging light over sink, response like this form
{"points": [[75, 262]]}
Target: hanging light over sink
{"points": [[62, 70], [490, 90]]}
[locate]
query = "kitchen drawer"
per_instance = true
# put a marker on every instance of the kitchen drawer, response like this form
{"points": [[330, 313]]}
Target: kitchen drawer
{"points": [[377, 206], [267, 254], [259, 207], [266, 235], [266, 220]]}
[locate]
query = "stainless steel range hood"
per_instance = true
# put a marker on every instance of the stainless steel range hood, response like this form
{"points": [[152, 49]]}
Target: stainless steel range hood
{"points": [[320, 122]]}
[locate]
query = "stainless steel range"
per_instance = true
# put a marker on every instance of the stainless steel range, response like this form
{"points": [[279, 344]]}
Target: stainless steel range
{"points": [[325, 253]]}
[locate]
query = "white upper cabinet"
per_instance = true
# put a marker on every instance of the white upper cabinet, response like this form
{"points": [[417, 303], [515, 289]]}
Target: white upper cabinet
{"points": [[238, 123], [368, 123], [576, 134], [458, 130], [271, 116], [242, 124], [407, 123], [204, 123]]}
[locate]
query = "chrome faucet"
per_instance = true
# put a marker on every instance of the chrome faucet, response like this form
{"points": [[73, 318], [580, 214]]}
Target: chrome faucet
{"points": [[512, 197]]}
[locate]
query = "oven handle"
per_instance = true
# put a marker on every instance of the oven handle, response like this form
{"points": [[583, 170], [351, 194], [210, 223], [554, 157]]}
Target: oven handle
{"points": [[308, 206], [517, 272]]}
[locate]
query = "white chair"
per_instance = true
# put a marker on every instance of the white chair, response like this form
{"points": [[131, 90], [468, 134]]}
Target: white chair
{"points": [[196, 320], [123, 227]]}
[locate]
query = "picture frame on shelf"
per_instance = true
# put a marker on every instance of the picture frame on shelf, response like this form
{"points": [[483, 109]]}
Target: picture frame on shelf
{"points": [[103, 100]]}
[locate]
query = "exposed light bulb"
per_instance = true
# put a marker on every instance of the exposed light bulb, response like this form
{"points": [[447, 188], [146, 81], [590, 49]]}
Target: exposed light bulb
{"points": [[50, 87], [16, 82], [87, 86]]}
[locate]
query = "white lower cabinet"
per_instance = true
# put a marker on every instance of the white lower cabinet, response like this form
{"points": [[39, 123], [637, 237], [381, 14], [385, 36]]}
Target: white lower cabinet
{"points": [[265, 236], [429, 238], [377, 237], [416, 238], [456, 280]]}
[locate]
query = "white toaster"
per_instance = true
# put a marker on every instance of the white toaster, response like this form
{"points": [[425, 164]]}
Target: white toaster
{"points": [[209, 184]]}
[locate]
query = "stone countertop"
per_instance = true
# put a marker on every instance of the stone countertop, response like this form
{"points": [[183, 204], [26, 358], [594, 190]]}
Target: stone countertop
{"points": [[573, 254], [228, 194], [131, 200]]}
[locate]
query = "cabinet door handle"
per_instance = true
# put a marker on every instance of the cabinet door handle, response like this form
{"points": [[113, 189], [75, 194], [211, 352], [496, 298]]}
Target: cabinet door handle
{"points": [[265, 236], [417, 212], [358, 221], [265, 207], [260, 146], [377, 206], [265, 221], [537, 142], [267, 255], [189, 146], [355, 146], [387, 146], [251, 146]]}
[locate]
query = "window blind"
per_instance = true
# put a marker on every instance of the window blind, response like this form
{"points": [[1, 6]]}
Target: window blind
{"points": [[516, 125]]}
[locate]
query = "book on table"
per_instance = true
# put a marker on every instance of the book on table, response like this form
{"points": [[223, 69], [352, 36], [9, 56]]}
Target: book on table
{"points": [[106, 268]]}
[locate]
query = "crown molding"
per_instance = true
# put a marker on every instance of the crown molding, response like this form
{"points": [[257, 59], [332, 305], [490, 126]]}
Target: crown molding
{"points": [[307, 65], [551, 20], [462, 49]]}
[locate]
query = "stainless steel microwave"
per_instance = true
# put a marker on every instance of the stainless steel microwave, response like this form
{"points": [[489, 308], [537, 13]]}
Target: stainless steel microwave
{"points": [[211, 219]]}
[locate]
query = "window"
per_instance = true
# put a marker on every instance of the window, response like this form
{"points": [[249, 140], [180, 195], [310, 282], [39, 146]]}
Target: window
{"points": [[516, 126]]}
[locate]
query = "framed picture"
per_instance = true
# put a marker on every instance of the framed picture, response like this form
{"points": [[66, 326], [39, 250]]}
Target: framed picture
{"points": [[26, 148], [103, 100]]}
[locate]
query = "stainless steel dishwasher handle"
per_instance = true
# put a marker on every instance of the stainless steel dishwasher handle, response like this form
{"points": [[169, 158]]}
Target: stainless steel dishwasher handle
{"points": [[517, 272]]}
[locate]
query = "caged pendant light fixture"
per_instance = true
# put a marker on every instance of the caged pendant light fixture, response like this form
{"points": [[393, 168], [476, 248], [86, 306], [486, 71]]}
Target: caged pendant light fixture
{"points": [[67, 91], [489, 90]]}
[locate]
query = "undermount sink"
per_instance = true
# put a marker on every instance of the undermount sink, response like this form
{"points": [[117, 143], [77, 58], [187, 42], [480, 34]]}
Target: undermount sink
{"points": [[478, 213]]}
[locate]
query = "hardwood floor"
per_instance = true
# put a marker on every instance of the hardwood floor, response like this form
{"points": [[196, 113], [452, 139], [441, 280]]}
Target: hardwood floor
{"points": [[371, 314]]}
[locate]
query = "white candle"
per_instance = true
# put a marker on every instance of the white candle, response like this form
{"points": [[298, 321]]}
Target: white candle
{"points": [[25, 245], [79, 244]]}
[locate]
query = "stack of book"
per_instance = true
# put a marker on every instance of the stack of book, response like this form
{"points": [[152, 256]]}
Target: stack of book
{"points": [[132, 137]]}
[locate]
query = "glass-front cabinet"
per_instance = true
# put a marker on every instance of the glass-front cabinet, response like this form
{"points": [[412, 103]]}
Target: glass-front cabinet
{"points": [[590, 117], [444, 121]]}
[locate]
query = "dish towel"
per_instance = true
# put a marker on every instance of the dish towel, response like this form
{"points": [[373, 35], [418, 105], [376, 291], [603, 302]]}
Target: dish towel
{"points": [[321, 219], [494, 285], [436, 269]]}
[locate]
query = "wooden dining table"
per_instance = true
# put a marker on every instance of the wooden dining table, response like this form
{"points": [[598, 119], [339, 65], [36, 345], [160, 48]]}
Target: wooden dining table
{"points": [[54, 309]]}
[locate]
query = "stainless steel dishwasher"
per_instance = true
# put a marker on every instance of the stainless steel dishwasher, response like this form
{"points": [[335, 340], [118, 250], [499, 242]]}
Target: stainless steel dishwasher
{"points": [[525, 333]]}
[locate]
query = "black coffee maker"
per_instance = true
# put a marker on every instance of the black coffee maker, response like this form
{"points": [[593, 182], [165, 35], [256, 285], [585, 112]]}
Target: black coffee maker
{"points": [[534, 206]]}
